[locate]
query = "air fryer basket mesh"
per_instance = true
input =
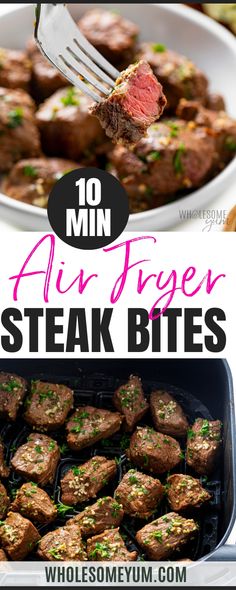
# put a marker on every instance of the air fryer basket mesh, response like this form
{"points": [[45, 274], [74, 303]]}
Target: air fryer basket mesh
{"points": [[97, 390]]}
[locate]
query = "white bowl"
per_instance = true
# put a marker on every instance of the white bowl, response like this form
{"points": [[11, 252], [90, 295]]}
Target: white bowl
{"points": [[181, 28]]}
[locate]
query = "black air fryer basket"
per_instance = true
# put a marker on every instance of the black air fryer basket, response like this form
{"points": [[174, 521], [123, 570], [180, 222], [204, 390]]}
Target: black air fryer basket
{"points": [[204, 389]]}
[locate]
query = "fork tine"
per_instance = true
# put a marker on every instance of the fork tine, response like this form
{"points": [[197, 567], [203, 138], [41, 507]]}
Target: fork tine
{"points": [[96, 56], [92, 66], [76, 81], [79, 70]]}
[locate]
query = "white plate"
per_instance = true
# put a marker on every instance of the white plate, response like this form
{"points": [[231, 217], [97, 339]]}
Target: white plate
{"points": [[181, 28]]}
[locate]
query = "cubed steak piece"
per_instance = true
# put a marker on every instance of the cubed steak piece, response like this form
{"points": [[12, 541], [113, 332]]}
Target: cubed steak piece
{"points": [[215, 102], [106, 513], [34, 503], [3, 556], [67, 129], [219, 125], [139, 494], [46, 79], [175, 156], [32, 180], [18, 536], [114, 36], [19, 136], [109, 546], [203, 445], [153, 451], [37, 459], [4, 470], [135, 103], [163, 536], [130, 401], [15, 69], [185, 492], [168, 416], [4, 501], [85, 481], [63, 544], [88, 425], [12, 393], [178, 75], [48, 405]]}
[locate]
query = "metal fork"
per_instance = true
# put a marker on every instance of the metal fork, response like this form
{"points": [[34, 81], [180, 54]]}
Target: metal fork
{"points": [[62, 43]]}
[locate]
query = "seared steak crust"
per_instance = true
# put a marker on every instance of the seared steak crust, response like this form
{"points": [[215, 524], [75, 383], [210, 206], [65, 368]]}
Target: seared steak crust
{"points": [[34, 503], [37, 459], [167, 414], [163, 536], [203, 445], [18, 536], [12, 393], [153, 451], [109, 546], [85, 481], [139, 494], [129, 400], [89, 425], [63, 544], [185, 492], [106, 513], [48, 405]]}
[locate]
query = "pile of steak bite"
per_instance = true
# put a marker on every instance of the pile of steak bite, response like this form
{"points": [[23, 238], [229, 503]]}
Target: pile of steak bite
{"points": [[153, 452], [48, 129]]}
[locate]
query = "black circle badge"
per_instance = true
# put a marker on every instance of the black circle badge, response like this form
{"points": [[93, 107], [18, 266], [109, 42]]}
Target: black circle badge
{"points": [[88, 208]]}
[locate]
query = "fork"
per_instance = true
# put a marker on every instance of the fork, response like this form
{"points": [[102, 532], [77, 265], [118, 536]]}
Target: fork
{"points": [[62, 43]]}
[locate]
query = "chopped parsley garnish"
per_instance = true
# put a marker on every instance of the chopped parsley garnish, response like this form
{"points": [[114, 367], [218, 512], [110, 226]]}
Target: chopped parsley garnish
{"points": [[158, 536], [30, 171], [230, 143], [100, 549], [15, 118], [38, 449], [158, 47], [205, 429], [174, 128], [77, 471], [10, 385], [46, 395], [191, 433], [63, 448], [63, 508], [115, 509], [153, 156], [51, 446], [133, 479], [70, 98], [124, 441], [177, 160], [55, 553], [182, 455]]}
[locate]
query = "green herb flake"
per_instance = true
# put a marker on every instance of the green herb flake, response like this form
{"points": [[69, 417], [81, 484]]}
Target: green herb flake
{"points": [[158, 48], [38, 449], [177, 159], [230, 144], [205, 429], [70, 98], [158, 536], [62, 509], [153, 156], [30, 171], [15, 118]]}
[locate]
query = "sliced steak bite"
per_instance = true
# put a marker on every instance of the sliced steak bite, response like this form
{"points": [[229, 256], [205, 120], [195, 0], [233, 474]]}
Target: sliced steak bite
{"points": [[63, 544], [130, 401], [4, 470], [67, 129], [163, 536], [12, 393], [153, 451], [34, 503], [109, 546], [179, 77], [18, 536], [135, 103], [168, 416], [46, 79], [219, 125], [114, 36], [19, 136], [215, 102], [37, 459], [3, 556], [203, 445], [85, 481], [89, 425], [31, 180], [48, 405], [175, 156], [15, 69], [139, 494], [106, 513], [4, 501], [185, 492]]}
